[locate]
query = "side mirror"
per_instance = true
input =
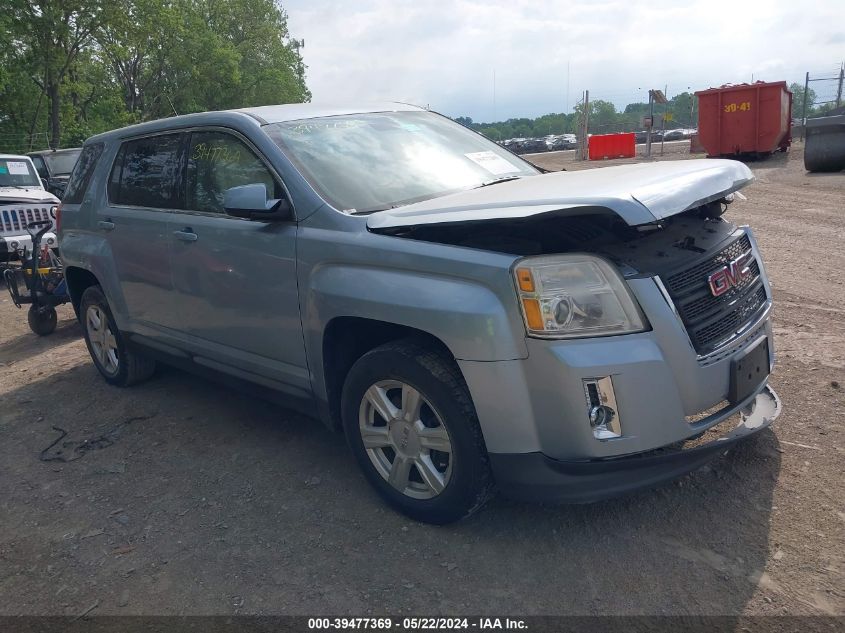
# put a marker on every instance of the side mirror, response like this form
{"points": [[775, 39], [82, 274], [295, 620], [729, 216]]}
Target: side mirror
{"points": [[44, 183], [250, 202]]}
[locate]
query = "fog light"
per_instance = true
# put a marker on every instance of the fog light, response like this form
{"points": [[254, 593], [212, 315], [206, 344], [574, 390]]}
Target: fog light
{"points": [[14, 245], [601, 415], [602, 409]]}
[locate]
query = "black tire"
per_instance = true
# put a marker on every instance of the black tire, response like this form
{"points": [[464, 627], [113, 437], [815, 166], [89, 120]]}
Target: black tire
{"points": [[131, 366], [42, 320], [825, 153], [440, 383]]}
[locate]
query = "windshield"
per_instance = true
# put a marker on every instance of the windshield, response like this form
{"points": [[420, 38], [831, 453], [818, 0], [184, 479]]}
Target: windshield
{"points": [[363, 163], [61, 163], [18, 172]]}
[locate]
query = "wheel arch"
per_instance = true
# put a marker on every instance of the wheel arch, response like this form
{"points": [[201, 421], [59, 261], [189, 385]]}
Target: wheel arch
{"points": [[347, 338], [78, 280]]}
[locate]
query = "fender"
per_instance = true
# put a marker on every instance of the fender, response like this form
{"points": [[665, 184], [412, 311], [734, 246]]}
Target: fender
{"points": [[91, 252], [469, 318]]}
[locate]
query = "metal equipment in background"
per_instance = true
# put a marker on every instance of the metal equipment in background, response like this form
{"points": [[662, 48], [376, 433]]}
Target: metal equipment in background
{"points": [[824, 145], [38, 282]]}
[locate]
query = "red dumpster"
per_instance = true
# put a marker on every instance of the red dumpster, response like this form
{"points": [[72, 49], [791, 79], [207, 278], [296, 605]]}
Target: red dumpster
{"points": [[747, 119], [612, 146]]}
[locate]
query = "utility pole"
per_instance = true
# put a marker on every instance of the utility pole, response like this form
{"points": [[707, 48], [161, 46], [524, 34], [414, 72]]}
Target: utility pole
{"points": [[839, 90], [653, 96], [583, 154], [650, 123], [566, 110], [494, 95], [804, 114], [691, 109]]}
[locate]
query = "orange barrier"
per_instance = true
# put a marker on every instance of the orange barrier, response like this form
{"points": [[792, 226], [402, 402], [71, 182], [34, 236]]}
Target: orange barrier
{"points": [[603, 146]]}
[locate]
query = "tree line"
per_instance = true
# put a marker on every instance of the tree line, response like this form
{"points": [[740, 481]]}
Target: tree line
{"points": [[605, 118], [73, 68]]}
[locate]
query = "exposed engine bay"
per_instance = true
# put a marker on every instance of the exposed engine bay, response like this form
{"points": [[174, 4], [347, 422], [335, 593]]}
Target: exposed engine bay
{"points": [[644, 249]]}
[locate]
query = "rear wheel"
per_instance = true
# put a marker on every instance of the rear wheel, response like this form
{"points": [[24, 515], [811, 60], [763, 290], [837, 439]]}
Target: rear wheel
{"points": [[118, 364], [42, 320], [411, 424]]}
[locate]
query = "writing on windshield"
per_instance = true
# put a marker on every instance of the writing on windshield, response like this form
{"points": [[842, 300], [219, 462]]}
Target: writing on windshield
{"points": [[17, 173]]}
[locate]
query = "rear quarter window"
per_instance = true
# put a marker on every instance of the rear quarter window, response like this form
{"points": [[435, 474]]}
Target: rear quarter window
{"points": [[82, 173]]}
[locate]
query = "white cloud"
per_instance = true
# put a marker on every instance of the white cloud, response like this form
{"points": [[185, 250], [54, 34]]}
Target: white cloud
{"points": [[445, 53]]}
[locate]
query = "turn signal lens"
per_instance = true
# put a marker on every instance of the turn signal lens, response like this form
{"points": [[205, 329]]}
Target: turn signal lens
{"points": [[533, 315], [526, 281]]}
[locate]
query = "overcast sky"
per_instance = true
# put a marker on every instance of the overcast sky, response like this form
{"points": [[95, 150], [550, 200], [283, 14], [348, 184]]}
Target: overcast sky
{"points": [[445, 53]]}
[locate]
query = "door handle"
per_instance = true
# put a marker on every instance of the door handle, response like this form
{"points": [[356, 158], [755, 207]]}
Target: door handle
{"points": [[186, 235], [106, 225]]}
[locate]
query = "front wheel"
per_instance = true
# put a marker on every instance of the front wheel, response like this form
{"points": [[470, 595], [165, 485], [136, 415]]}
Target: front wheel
{"points": [[118, 364], [411, 424]]}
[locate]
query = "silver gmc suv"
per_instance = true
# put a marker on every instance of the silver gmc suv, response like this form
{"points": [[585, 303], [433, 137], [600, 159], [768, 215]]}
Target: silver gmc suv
{"points": [[469, 322]]}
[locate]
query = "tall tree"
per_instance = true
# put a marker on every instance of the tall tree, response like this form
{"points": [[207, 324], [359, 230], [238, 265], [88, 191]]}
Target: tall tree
{"points": [[53, 33], [798, 100], [72, 68], [139, 42]]}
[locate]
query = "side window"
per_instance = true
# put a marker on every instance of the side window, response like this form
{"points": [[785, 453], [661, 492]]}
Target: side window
{"points": [[146, 173], [217, 161], [82, 172], [40, 167]]}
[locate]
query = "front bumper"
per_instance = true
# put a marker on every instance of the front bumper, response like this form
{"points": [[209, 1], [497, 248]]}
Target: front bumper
{"points": [[12, 245], [536, 477]]}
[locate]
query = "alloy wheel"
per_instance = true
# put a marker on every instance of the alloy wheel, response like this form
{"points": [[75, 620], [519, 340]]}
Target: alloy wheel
{"points": [[405, 439], [102, 339]]}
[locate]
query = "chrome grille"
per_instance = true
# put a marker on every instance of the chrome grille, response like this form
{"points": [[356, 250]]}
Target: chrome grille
{"points": [[704, 303], [712, 321], [682, 281], [15, 220]]}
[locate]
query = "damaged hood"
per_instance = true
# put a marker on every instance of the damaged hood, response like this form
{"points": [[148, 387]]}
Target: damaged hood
{"points": [[14, 195], [639, 194]]}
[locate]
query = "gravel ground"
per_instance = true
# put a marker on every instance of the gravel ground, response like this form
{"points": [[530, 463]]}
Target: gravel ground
{"points": [[196, 499]]}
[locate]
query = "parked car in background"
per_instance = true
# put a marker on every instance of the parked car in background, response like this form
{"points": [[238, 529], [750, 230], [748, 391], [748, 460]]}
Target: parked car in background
{"points": [[564, 142], [674, 135], [467, 320], [532, 146], [23, 199], [54, 167]]}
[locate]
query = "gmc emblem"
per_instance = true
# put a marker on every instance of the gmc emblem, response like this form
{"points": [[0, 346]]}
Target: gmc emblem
{"points": [[729, 276]]}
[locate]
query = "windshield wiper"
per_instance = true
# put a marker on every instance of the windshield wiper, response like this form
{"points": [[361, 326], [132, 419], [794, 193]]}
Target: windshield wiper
{"points": [[369, 211], [496, 181]]}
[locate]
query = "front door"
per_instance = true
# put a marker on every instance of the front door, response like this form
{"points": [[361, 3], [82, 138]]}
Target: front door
{"points": [[235, 279]]}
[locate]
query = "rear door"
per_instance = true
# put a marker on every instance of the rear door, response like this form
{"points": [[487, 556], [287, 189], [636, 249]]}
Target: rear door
{"points": [[235, 279], [145, 186]]}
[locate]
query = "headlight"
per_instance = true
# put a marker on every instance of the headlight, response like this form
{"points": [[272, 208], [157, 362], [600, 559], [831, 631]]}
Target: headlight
{"points": [[573, 296]]}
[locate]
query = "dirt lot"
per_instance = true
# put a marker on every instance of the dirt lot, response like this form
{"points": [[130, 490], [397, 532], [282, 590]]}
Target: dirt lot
{"points": [[200, 500]]}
